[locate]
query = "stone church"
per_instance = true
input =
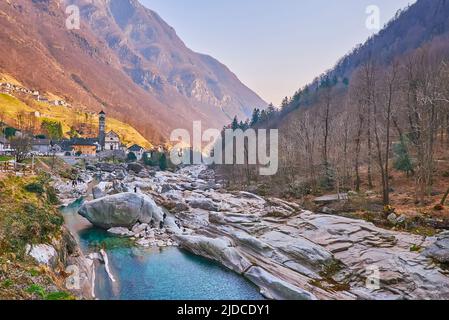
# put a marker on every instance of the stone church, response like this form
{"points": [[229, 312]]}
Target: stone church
{"points": [[109, 141]]}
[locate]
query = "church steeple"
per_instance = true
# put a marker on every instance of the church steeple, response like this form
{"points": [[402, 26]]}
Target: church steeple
{"points": [[102, 129]]}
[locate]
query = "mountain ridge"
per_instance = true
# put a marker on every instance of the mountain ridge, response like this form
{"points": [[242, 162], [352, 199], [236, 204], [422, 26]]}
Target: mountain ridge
{"points": [[124, 59]]}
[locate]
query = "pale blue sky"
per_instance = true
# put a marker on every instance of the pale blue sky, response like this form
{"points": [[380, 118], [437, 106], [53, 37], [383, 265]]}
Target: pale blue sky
{"points": [[273, 46]]}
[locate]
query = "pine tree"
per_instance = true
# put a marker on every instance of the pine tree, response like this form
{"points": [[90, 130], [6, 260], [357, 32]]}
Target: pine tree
{"points": [[235, 124], [285, 102], [402, 161], [255, 117]]}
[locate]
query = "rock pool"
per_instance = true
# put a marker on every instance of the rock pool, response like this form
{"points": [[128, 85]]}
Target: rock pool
{"points": [[156, 274]]}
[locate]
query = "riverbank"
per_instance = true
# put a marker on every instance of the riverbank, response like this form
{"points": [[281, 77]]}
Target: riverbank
{"points": [[35, 247], [287, 252]]}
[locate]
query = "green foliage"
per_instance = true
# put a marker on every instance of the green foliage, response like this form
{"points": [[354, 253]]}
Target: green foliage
{"points": [[255, 117], [327, 181], [403, 161], [131, 157], [154, 159], [6, 158], [235, 124], [53, 129], [300, 189], [52, 197], [34, 272], [37, 290], [59, 295], [42, 293], [163, 162], [9, 132], [27, 216], [35, 187], [7, 283], [73, 133]]}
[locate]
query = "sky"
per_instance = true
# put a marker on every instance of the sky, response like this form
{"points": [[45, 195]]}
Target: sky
{"points": [[274, 46]]}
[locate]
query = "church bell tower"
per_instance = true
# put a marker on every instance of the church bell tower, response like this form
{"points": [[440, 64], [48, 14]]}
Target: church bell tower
{"points": [[102, 129]]}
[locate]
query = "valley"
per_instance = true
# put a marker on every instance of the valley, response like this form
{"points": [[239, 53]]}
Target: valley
{"points": [[339, 193]]}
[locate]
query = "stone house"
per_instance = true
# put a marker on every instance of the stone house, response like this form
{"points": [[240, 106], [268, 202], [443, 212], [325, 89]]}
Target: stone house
{"points": [[137, 150]]}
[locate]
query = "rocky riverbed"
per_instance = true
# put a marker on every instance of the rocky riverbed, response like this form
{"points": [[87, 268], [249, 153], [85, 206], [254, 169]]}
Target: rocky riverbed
{"points": [[287, 252]]}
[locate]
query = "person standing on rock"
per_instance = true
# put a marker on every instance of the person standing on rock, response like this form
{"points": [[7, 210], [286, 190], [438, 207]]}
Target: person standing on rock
{"points": [[135, 189]]}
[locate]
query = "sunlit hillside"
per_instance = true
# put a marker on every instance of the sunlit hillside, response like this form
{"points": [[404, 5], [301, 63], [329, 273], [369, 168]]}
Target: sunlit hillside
{"points": [[11, 107]]}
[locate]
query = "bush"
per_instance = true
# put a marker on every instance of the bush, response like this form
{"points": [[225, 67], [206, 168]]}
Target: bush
{"points": [[35, 187], [300, 189], [29, 224], [163, 162], [52, 197], [131, 157], [403, 161]]}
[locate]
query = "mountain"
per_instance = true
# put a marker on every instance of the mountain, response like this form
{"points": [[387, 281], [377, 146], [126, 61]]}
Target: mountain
{"points": [[424, 22], [124, 59]]}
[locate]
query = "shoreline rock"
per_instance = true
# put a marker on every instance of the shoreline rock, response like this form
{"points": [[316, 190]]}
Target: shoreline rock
{"points": [[121, 210]]}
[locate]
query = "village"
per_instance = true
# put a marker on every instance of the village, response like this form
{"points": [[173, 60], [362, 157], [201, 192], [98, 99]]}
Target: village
{"points": [[16, 146]]}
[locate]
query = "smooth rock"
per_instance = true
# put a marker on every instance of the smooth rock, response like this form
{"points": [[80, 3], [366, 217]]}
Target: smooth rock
{"points": [[275, 288], [439, 251], [139, 228], [121, 210], [43, 254], [205, 204], [122, 232], [219, 249], [393, 219], [98, 192]]}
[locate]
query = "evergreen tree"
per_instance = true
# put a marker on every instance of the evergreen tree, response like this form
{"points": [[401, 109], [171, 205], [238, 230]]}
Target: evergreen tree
{"points": [[131, 157], [402, 161], [235, 124], [255, 117], [163, 162], [285, 102]]}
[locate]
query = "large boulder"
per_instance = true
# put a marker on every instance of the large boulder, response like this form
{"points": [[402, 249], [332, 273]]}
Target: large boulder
{"points": [[121, 210], [439, 251], [219, 249], [135, 167], [100, 190]]}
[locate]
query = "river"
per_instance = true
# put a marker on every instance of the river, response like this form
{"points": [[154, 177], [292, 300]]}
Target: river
{"points": [[155, 273]]}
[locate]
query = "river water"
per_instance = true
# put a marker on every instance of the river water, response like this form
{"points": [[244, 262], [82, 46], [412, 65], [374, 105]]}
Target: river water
{"points": [[155, 273]]}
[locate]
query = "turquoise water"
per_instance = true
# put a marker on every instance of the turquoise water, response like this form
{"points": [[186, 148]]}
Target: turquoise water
{"points": [[157, 274]]}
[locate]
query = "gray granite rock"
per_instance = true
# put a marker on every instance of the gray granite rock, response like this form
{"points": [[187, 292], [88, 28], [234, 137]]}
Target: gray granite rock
{"points": [[121, 210]]}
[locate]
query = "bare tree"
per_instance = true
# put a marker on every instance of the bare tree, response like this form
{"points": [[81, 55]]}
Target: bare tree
{"points": [[21, 146]]}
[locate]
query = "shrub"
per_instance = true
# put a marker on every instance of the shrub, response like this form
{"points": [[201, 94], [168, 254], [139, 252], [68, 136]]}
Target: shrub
{"points": [[131, 157], [52, 197], [35, 187], [37, 290], [163, 162], [403, 161]]}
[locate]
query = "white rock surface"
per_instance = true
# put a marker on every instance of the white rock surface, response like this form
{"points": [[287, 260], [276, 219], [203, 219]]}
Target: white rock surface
{"points": [[43, 254]]}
